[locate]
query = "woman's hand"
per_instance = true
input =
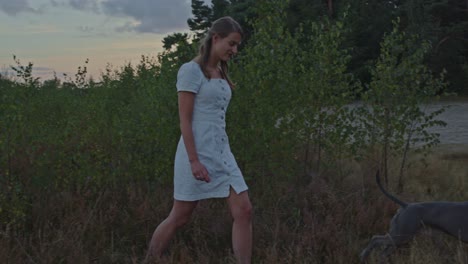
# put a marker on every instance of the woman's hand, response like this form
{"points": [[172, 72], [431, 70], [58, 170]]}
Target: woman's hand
{"points": [[199, 171]]}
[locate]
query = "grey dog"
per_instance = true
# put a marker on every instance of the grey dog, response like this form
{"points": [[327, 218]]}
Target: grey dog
{"points": [[449, 217]]}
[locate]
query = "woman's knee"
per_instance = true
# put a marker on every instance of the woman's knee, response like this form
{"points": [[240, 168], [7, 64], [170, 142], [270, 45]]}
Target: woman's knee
{"points": [[179, 220], [181, 213], [182, 221], [244, 211]]}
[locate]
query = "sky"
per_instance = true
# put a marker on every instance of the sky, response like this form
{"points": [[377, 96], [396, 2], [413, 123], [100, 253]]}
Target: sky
{"points": [[59, 35]]}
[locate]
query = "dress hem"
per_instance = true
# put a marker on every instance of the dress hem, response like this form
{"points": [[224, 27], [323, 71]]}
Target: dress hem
{"points": [[197, 197]]}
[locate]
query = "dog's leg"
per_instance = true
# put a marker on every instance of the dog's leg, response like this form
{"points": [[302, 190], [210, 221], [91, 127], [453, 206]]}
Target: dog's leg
{"points": [[376, 241], [386, 252]]}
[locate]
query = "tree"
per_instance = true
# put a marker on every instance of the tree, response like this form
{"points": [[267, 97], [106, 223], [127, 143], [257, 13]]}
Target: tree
{"points": [[219, 8], [393, 115], [204, 15], [175, 39], [366, 32], [445, 24], [25, 72], [243, 12], [202, 18]]}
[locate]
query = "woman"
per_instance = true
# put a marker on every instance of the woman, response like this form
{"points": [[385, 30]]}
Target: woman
{"points": [[204, 165]]}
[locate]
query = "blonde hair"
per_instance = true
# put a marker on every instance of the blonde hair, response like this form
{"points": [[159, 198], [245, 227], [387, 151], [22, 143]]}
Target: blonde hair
{"points": [[222, 27]]}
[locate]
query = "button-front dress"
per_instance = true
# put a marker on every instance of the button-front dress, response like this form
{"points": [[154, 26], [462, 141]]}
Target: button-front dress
{"points": [[212, 98]]}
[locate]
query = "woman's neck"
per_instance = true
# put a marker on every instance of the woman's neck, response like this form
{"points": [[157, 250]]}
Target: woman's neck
{"points": [[213, 60], [213, 63]]}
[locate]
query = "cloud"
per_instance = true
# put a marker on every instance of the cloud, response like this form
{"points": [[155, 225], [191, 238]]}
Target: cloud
{"points": [[84, 4], [86, 29], [144, 16], [13, 7], [151, 16]]}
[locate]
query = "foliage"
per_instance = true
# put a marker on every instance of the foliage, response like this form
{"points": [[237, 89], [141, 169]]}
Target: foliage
{"points": [[444, 23], [202, 18], [393, 111], [326, 89], [265, 74], [174, 40], [299, 86], [204, 15], [24, 73], [86, 135]]}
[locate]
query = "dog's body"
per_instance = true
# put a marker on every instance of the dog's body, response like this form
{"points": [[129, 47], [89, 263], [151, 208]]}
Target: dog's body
{"points": [[450, 217]]}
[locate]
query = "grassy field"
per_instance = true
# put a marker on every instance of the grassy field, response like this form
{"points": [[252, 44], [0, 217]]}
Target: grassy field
{"points": [[323, 218]]}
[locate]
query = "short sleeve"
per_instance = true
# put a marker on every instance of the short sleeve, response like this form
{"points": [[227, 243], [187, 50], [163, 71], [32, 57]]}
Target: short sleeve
{"points": [[189, 78]]}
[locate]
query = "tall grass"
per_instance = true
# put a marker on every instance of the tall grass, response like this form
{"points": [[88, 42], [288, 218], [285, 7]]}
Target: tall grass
{"points": [[321, 220]]}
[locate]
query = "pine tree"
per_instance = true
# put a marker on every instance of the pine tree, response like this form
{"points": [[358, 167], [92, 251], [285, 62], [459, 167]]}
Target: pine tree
{"points": [[202, 18]]}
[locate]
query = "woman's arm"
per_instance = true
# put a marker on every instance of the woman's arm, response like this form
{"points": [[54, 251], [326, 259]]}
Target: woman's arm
{"points": [[186, 102]]}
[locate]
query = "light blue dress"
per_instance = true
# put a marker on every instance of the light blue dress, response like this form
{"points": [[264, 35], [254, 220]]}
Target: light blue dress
{"points": [[211, 141]]}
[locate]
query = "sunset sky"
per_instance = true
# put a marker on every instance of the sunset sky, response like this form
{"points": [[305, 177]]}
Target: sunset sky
{"points": [[59, 35]]}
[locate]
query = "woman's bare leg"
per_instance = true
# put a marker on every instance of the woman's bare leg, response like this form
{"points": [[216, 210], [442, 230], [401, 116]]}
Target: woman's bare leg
{"points": [[178, 217], [241, 211]]}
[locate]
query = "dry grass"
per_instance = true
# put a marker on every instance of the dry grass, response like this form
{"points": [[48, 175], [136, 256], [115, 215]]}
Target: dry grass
{"points": [[324, 219]]}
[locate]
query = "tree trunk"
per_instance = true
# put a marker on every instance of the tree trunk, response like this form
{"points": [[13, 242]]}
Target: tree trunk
{"points": [[330, 7], [386, 144]]}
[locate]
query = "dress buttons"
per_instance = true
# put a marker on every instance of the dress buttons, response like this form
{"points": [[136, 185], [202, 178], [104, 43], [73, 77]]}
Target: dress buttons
{"points": [[222, 117], [222, 108]]}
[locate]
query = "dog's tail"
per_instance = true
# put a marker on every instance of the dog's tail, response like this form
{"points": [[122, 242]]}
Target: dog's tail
{"points": [[393, 198]]}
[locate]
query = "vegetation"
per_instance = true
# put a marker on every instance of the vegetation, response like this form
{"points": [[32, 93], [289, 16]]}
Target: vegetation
{"points": [[86, 166]]}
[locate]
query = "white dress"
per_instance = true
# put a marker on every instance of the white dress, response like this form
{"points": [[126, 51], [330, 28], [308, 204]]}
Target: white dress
{"points": [[211, 141]]}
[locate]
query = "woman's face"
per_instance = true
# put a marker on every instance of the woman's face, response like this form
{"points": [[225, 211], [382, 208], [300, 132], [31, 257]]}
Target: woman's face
{"points": [[226, 48]]}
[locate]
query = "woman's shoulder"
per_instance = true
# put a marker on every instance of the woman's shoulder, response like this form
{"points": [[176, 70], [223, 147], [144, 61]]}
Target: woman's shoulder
{"points": [[190, 70], [189, 77], [190, 66]]}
